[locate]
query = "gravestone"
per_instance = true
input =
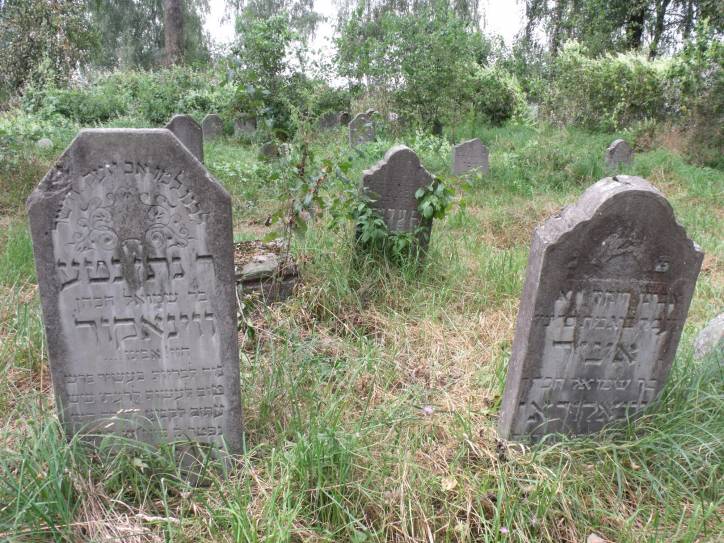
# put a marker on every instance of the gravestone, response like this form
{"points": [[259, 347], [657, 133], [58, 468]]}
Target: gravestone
{"points": [[328, 120], [361, 130], [212, 126], [391, 185], [470, 155], [44, 143], [269, 150], [711, 339], [244, 126], [619, 152], [134, 253], [189, 132], [606, 294], [343, 118]]}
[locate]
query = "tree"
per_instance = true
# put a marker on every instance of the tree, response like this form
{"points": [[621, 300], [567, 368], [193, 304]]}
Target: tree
{"points": [[302, 17], [173, 31], [132, 32], [42, 41]]}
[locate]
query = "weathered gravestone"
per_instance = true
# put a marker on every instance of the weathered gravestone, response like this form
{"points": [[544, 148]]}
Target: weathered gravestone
{"points": [[134, 252], [619, 152], [607, 291], [710, 340], [212, 126], [244, 126], [470, 155], [269, 150], [343, 118], [189, 132], [361, 130], [328, 120], [391, 185]]}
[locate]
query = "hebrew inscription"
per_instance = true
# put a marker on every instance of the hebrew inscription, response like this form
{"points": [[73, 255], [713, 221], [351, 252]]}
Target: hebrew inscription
{"points": [[607, 291], [132, 268]]}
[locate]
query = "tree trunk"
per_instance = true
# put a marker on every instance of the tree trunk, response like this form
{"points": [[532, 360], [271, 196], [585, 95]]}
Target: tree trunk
{"points": [[173, 31], [661, 7], [635, 24], [689, 19], [557, 26]]}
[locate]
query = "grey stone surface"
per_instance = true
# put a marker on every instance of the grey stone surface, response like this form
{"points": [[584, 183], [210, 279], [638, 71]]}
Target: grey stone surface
{"points": [[343, 118], [189, 132], [361, 130], [212, 126], [391, 185], [269, 150], [618, 153], [606, 294], [469, 155], [245, 125], [134, 253], [370, 112], [328, 120], [44, 143], [711, 339]]}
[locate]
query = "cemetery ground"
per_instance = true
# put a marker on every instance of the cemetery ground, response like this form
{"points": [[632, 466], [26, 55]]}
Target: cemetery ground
{"points": [[371, 396]]}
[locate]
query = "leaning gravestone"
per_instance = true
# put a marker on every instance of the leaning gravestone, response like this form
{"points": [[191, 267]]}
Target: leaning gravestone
{"points": [[607, 290], [618, 153], [212, 126], [134, 253], [361, 130], [244, 126], [470, 155], [391, 186], [189, 132]]}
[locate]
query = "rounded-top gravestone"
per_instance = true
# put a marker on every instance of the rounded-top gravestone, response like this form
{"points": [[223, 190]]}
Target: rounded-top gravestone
{"points": [[469, 155], [189, 132], [244, 125], [212, 126], [711, 339], [343, 118], [133, 248], [618, 153], [328, 120], [391, 186], [361, 130], [606, 294]]}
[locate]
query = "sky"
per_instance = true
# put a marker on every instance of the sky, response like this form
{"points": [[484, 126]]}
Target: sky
{"points": [[503, 17]]}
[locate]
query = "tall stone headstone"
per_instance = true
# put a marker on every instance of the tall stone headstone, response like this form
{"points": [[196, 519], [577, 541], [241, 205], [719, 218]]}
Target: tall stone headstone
{"points": [[361, 130], [212, 126], [189, 132], [244, 126], [134, 253], [391, 186], [469, 155], [606, 294], [618, 153]]}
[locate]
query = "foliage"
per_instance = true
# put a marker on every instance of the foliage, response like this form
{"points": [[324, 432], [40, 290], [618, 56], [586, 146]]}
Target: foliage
{"points": [[423, 58], [132, 32], [42, 42], [604, 93], [496, 95]]}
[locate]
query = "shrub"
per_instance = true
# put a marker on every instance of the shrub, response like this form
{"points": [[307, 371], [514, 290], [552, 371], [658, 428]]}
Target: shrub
{"points": [[606, 93], [496, 95]]}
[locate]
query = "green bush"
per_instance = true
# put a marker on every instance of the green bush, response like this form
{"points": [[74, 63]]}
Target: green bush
{"points": [[496, 95], [606, 93]]}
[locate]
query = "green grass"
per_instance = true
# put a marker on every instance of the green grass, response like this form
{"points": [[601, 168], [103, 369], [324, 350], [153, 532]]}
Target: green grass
{"points": [[371, 396]]}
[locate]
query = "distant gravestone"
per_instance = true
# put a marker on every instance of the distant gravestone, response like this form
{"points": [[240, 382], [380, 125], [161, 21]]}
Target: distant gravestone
{"points": [[619, 152], [44, 143], [711, 339], [212, 126], [134, 253], [328, 120], [361, 130], [607, 291], [470, 155], [343, 118], [189, 132], [391, 185], [244, 126], [269, 150]]}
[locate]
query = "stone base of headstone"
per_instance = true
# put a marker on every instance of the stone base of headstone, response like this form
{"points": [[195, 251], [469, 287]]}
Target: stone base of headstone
{"points": [[265, 272]]}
